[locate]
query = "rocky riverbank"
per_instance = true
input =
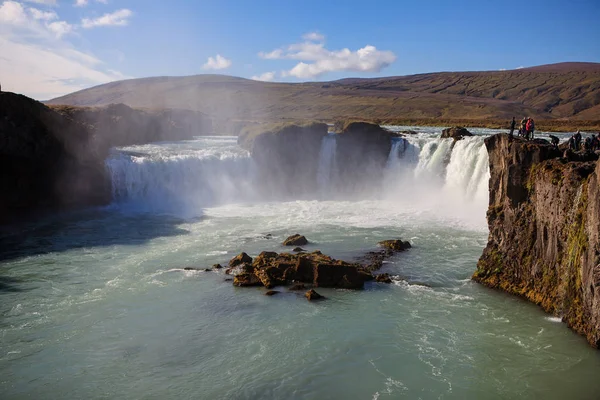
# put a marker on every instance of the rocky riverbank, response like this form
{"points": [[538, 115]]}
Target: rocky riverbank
{"points": [[52, 158], [544, 221]]}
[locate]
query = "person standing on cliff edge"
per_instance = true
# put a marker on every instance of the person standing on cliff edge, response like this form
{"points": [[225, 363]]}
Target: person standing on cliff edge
{"points": [[512, 126]]}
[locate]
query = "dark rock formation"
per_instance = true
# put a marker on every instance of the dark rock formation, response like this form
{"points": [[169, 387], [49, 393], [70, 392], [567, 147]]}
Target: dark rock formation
{"points": [[298, 250], [241, 258], [53, 158], [295, 240], [395, 245], [383, 278], [246, 279], [271, 293], [287, 155], [456, 133], [312, 295], [544, 220], [270, 269], [217, 266], [361, 155]]}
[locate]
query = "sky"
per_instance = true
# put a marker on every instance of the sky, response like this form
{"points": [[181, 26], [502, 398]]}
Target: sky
{"points": [[49, 48]]}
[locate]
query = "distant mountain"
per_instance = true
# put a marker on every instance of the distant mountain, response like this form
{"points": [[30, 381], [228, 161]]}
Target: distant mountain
{"points": [[566, 90]]}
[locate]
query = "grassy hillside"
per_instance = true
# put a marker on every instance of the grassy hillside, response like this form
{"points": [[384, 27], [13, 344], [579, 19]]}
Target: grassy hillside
{"points": [[558, 91]]}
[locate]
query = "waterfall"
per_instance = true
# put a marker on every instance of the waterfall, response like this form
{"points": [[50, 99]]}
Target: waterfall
{"points": [[468, 170], [433, 159], [327, 163], [435, 172], [182, 177]]}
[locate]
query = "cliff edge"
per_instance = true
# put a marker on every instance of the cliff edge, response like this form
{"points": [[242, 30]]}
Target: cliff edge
{"points": [[52, 158], [544, 221]]}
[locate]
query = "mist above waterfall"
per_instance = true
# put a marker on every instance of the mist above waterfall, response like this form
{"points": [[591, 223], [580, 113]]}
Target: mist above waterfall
{"points": [[422, 172]]}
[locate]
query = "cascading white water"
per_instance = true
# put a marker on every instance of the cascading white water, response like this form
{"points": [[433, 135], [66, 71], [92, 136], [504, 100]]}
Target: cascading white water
{"points": [[433, 158], [468, 170], [327, 163], [183, 177], [434, 172]]}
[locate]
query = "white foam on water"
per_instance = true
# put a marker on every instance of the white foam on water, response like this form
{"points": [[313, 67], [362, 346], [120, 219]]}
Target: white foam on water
{"points": [[553, 319]]}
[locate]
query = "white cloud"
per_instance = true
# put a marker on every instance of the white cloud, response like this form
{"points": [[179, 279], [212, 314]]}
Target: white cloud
{"points": [[218, 62], [266, 77], [273, 55], [12, 12], [37, 61], [45, 2], [520, 67], [83, 3], [314, 36], [43, 15], [117, 18], [60, 28], [316, 60], [31, 22]]}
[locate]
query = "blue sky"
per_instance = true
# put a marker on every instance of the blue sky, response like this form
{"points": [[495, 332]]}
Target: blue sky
{"points": [[53, 47]]}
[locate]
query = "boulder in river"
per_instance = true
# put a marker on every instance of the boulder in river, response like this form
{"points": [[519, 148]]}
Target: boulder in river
{"points": [[456, 133], [311, 295], [395, 245], [246, 279], [271, 293], [298, 250], [295, 240], [241, 258]]}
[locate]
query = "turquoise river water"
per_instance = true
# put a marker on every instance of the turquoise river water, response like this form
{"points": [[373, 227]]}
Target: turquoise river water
{"points": [[96, 304]]}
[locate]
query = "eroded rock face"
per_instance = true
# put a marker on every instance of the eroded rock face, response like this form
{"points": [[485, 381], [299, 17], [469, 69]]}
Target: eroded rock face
{"points": [[362, 153], [544, 221], [241, 258], [270, 269], [52, 158], [456, 133], [287, 155]]}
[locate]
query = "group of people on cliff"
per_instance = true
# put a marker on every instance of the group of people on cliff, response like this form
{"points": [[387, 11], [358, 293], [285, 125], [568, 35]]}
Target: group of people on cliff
{"points": [[589, 144], [526, 128]]}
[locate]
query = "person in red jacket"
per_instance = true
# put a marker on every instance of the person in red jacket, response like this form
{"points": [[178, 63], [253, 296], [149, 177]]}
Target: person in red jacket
{"points": [[530, 127]]}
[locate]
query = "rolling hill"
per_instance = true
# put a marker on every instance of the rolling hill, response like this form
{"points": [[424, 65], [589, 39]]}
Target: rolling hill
{"points": [[556, 91]]}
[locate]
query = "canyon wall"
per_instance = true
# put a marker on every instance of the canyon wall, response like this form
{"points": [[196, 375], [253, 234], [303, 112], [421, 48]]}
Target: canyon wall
{"points": [[52, 158], [544, 221]]}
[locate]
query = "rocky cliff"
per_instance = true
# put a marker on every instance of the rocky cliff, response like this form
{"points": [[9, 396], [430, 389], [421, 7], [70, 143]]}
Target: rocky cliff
{"points": [[53, 158], [544, 221], [288, 156]]}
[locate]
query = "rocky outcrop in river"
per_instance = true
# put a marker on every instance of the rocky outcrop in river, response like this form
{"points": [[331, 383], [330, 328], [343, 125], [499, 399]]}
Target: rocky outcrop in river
{"points": [[544, 221], [52, 158], [270, 269], [288, 155]]}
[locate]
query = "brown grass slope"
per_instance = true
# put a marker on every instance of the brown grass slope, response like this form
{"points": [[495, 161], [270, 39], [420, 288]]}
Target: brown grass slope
{"points": [[567, 90]]}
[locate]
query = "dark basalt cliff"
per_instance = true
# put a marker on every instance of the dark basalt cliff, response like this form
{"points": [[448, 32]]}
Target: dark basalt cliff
{"points": [[52, 158], [288, 155], [544, 221]]}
